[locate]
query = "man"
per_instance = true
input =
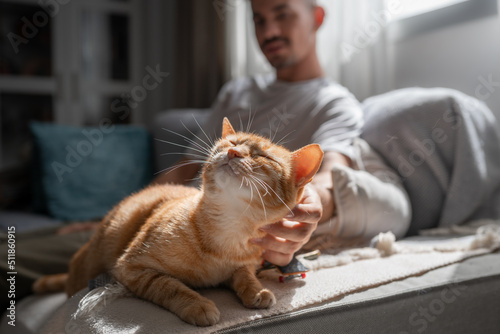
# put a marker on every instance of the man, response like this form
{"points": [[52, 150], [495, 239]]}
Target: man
{"points": [[317, 109]]}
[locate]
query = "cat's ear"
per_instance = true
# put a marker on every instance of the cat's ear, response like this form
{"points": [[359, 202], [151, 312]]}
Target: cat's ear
{"points": [[227, 128], [306, 162]]}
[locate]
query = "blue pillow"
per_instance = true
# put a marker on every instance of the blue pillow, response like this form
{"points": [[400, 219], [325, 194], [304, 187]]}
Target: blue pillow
{"points": [[81, 173]]}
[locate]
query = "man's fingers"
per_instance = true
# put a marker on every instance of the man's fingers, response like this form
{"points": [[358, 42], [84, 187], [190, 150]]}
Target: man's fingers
{"points": [[292, 231], [277, 251], [278, 245], [304, 213], [276, 258]]}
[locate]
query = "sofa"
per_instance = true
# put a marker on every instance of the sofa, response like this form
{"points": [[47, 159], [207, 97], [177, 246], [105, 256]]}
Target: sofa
{"points": [[460, 297]]}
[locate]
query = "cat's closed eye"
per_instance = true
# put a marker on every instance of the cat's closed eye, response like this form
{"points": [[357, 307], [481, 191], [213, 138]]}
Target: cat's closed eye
{"points": [[265, 156]]}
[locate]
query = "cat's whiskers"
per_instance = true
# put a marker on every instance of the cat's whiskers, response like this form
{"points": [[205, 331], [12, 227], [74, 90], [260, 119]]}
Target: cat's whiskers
{"points": [[194, 179], [261, 200], [261, 183], [184, 154], [270, 131], [251, 194], [281, 141], [207, 145], [183, 146], [257, 173], [268, 187], [191, 141], [248, 165], [275, 132], [254, 165], [250, 119], [190, 162], [208, 138], [241, 122]]}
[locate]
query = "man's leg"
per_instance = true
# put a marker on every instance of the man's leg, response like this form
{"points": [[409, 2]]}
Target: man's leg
{"points": [[446, 147]]}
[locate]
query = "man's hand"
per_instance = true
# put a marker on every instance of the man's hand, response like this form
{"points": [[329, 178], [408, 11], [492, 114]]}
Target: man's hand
{"points": [[287, 236]]}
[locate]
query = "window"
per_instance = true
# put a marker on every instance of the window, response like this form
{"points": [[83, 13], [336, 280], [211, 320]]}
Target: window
{"points": [[412, 7], [414, 18]]}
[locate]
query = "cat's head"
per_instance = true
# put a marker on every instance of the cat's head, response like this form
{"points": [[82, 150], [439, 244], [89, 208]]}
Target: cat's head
{"points": [[248, 168]]}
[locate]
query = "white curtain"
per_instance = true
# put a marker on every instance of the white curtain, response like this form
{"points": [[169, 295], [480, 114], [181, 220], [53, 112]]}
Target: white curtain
{"points": [[352, 43], [96, 63], [243, 53]]}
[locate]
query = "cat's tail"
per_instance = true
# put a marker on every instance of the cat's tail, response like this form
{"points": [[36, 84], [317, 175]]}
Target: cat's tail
{"points": [[50, 283], [96, 299]]}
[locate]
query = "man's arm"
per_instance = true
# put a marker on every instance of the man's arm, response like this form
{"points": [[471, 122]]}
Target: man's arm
{"points": [[323, 182], [183, 172]]}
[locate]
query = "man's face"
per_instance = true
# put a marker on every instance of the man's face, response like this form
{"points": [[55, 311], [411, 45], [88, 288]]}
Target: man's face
{"points": [[285, 30]]}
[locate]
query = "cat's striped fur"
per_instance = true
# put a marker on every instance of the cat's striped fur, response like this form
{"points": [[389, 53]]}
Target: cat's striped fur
{"points": [[166, 240]]}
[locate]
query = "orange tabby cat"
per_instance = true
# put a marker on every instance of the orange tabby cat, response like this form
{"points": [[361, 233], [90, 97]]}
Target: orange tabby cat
{"points": [[167, 240]]}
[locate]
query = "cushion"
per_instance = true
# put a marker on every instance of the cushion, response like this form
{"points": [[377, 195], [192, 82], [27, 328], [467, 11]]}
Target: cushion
{"points": [[81, 173]]}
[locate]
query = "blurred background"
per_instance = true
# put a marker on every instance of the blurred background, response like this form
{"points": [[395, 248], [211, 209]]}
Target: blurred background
{"points": [[78, 62]]}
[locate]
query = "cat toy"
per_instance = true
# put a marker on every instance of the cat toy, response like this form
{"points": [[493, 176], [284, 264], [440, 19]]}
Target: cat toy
{"points": [[295, 269]]}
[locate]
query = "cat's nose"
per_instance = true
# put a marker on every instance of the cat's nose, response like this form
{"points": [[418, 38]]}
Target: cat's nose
{"points": [[234, 152]]}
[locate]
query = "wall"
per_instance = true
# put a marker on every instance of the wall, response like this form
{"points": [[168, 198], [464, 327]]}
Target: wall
{"points": [[461, 55]]}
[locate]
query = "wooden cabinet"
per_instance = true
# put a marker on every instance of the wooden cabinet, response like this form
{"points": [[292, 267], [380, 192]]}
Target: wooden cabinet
{"points": [[66, 61]]}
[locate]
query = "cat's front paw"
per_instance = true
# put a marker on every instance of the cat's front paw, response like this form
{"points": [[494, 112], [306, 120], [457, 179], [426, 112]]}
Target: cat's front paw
{"points": [[262, 299], [201, 313]]}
